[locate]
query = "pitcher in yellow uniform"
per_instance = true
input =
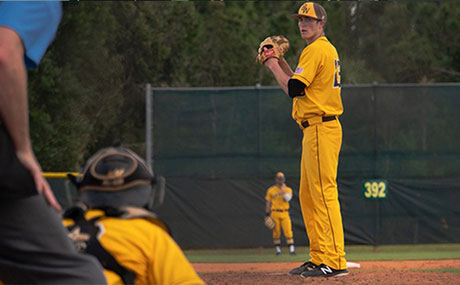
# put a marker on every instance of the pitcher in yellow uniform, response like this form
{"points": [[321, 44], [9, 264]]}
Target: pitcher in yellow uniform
{"points": [[114, 223], [277, 207], [315, 89]]}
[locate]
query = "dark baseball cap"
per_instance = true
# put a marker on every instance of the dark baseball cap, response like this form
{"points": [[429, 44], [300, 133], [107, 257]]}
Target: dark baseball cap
{"points": [[312, 10]]}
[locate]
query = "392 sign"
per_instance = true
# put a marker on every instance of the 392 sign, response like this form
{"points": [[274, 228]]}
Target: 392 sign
{"points": [[375, 189]]}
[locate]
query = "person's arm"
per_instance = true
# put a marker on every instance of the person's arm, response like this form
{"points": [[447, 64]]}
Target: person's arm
{"points": [[13, 94], [14, 107], [278, 72], [268, 207], [287, 195], [285, 67]]}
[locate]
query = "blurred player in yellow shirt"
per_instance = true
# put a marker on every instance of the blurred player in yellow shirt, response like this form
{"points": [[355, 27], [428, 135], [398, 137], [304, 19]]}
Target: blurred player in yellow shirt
{"points": [[277, 207], [114, 223]]}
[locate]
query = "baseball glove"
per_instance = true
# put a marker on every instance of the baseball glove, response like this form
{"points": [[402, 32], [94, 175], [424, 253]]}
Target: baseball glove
{"points": [[274, 46], [269, 223]]}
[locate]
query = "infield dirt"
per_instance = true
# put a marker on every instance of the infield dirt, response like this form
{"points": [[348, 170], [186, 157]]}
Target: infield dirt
{"points": [[371, 272]]}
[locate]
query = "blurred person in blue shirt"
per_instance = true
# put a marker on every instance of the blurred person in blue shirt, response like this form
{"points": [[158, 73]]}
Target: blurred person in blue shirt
{"points": [[34, 247]]}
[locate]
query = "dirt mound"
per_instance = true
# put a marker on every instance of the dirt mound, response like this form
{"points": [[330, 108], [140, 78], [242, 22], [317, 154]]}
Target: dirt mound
{"points": [[371, 272], [286, 266], [355, 277]]}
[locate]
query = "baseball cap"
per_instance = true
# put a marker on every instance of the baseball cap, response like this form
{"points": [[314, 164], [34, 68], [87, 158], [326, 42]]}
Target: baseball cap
{"points": [[312, 10], [279, 175]]}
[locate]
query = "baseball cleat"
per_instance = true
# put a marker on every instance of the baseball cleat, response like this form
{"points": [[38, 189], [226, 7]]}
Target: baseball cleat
{"points": [[324, 271], [307, 266], [292, 253]]}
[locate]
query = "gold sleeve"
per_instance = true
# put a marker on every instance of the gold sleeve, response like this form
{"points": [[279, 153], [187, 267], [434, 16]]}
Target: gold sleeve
{"points": [[309, 64]]}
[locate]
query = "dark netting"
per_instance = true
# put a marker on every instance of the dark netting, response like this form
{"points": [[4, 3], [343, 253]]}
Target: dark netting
{"points": [[390, 131], [418, 131], [219, 150], [357, 157], [210, 133]]}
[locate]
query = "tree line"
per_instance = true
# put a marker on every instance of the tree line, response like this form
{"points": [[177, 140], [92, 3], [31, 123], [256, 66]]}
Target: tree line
{"points": [[89, 89]]}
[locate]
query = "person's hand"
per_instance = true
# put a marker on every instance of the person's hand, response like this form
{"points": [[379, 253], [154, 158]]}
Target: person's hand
{"points": [[283, 187], [28, 160]]}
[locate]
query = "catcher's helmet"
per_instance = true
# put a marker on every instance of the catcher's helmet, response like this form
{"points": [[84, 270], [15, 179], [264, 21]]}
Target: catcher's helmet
{"points": [[115, 177], [312, 10]]}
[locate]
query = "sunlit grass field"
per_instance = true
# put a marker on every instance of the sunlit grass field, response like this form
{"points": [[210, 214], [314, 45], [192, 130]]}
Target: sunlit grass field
{"points": [[354, 253]]}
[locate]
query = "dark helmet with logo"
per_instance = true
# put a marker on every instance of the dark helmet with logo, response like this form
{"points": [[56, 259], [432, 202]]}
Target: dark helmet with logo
{"points": [[116, 177]]}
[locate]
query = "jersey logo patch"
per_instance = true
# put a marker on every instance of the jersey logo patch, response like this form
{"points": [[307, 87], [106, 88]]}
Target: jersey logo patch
{"points": [[79, 238], [298, 70]]}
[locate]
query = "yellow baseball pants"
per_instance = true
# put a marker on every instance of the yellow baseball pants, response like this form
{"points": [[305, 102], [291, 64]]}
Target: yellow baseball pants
{"points": [[282, 220], [318, 193]]}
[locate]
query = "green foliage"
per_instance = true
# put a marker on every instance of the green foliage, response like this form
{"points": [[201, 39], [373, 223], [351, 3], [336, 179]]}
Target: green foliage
{"points": [[88, 90]]}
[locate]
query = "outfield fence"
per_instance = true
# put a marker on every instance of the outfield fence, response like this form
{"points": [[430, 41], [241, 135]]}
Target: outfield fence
{"points": [[390, 131], [399, 170]]}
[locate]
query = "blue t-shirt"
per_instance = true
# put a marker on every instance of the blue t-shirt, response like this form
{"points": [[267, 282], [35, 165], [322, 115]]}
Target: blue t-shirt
{"points": [[36, 24]]}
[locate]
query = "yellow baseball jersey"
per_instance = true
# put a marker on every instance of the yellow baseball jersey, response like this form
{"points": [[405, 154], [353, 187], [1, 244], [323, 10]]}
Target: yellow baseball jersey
{"points": [[143, 248], [276, 197], [319, 70]]}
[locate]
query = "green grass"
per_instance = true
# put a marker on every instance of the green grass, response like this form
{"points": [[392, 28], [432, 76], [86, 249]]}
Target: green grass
{"points": [[447, 270], [354, 253]]}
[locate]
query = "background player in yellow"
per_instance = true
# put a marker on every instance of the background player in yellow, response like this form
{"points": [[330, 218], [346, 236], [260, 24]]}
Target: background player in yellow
{"points": [[277, 207], [115, 225], [315, 89]]}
